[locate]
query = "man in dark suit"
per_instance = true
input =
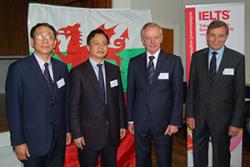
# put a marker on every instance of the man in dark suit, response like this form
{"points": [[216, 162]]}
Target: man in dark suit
{"points": [[215, 97], [35, 103], [96, 105], [155, 98]]}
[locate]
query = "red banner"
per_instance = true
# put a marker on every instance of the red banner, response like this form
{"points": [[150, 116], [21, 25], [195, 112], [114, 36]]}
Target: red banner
{"points": [[125, 155]]}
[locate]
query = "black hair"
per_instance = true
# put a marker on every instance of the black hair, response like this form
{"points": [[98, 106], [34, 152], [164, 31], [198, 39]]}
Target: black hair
{"points": [[94, 32], [33, 29], [216, 24]]}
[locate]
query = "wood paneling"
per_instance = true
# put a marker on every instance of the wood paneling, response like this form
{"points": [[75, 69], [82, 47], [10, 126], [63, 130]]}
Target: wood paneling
{"points": [[79, 3], [13, 22], [168, 40], [13, 27]]}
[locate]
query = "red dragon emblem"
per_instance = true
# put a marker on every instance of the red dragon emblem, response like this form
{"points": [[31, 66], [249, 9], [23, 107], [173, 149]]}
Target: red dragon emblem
{"points": [[78, 53]]}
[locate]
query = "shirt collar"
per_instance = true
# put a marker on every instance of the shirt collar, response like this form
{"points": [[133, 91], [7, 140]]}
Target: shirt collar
{"points": [[41, 62], [156, 54], [219, 52], [94, 63]]}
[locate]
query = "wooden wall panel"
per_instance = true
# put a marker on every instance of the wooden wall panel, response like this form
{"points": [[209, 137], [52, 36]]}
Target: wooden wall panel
{"points": [[13, 27], [13, 22], [79, 3], [168, 40]]}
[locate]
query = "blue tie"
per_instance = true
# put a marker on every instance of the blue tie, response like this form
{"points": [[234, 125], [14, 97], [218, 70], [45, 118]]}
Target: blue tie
{"points": [[150, 69], [101, 80], [212, 69], [49, 81]]}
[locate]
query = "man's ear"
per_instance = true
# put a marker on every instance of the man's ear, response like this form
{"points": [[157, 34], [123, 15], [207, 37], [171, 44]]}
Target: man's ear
{"points": [[88, 48], [142, 41], [32, 42], [55, 43]]}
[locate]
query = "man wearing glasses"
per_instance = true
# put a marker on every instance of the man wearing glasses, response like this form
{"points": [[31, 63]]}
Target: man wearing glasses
{"points": [[35, 103]]}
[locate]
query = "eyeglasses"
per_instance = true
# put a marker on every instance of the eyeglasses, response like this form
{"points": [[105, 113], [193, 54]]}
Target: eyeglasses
{"points": [[41, 37]]}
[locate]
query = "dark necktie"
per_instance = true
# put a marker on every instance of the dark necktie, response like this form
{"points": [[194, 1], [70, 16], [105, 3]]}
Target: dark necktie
{"points": [[212, 69], [101, 80], [150, 69], [49, 81]]}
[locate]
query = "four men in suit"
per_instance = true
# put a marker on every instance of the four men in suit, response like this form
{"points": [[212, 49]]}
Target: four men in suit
{"points": [[96, 105], [215, 97], [36, 98], [155, 98], [35, 103]]}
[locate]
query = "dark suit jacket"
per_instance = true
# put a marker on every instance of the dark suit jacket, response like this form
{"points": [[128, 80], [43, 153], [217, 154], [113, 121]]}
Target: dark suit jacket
{"points": [[31, 115], [88, 117], [163, 99], [225, 100]]}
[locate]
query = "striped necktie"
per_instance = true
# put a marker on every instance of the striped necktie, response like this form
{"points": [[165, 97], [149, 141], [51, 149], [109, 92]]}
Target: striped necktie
{"points": [[150, 69]]}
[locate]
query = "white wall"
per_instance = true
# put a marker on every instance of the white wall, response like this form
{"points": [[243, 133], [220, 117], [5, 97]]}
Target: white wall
{"points": [[7, 156], [121, 4], [170, 14], [4, 65], [159, 9]]}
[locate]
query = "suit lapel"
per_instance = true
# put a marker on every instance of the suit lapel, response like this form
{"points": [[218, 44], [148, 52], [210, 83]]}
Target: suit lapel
{"points": [[160, 63], [109, 76], [143, 66], [55, 73], [204, 63], [222, 65], [38, 73]]}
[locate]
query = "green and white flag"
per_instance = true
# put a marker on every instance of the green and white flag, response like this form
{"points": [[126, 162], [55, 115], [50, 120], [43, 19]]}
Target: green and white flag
{"points": [[74, 24]]}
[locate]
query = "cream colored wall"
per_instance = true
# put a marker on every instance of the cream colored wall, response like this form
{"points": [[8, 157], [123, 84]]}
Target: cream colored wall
{"points": [[164, 12], [170, 14]]}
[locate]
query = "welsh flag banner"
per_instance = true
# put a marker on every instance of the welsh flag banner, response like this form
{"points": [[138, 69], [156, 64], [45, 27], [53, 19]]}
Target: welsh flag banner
{"points": [[73, 25]]}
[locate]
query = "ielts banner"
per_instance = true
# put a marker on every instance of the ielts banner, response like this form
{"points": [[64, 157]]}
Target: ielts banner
{"points": [[197, 19]]}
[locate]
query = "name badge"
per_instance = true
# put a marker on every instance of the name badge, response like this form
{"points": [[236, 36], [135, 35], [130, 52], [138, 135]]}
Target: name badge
{"points": [[60, 83], [163, 76], [228, 71], [114, 83]]}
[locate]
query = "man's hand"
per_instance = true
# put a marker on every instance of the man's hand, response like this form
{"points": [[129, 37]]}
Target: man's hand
{"points": [[233, 131], [68, 138], [171, 129], [131, 128], [79, 142], [190, 123], [122, 133], [22, 152]]}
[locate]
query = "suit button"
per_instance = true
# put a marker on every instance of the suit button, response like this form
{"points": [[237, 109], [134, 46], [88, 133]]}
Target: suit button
{"points": [[107, 122]]}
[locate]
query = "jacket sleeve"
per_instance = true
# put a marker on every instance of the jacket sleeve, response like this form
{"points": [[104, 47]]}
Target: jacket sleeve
{"points": [[14, 91], [130, 91], [177, 85], [74, 95], [189, 112], [239, 95], [122, 108]]}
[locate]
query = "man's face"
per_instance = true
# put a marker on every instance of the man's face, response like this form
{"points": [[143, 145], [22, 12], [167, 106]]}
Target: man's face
{"points": [[98, 47], [216, 38], [151, 39], [44, 41]]}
